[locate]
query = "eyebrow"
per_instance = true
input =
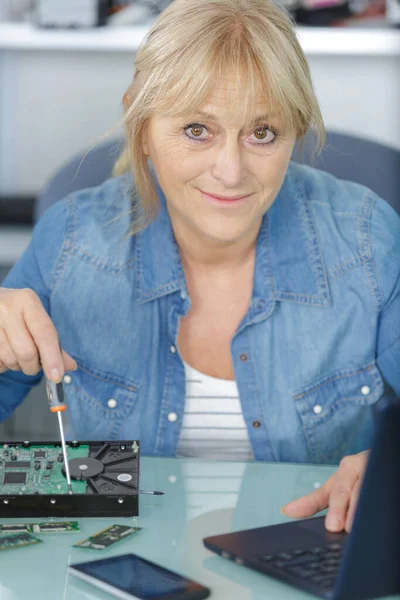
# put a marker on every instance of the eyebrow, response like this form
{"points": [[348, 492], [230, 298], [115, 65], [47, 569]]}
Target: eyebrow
{"points": [[256, 121]]}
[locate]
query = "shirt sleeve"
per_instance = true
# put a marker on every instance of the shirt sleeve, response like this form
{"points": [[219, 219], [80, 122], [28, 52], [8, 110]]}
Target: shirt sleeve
{"points": [[37, 270], [385, 244]]}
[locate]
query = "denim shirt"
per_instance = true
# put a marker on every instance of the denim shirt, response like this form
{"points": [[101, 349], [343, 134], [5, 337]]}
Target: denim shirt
{"points": [[321, 333]]}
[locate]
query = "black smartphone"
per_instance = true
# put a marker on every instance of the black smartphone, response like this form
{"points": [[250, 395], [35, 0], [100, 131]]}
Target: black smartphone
{"points": [[133, 578]]}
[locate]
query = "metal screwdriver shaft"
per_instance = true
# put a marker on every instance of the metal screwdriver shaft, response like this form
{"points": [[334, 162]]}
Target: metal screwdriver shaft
{"points": [[64, 449], [55, 395]]}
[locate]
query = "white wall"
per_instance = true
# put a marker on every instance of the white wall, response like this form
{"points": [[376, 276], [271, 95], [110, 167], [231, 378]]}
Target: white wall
{"points": [[359, 95], [56, 104]]}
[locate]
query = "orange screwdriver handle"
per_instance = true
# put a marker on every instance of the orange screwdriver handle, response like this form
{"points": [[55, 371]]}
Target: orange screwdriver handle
{"points": [[55, 409]]}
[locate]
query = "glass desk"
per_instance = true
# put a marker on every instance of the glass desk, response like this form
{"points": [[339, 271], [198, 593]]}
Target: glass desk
{"points": [[201, 498]]}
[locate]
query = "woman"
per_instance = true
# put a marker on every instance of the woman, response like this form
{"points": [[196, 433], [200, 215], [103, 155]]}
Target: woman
{"points": [[238, 273]]}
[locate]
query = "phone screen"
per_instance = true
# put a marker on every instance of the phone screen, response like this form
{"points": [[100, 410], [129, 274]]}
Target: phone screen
{"points": [[139, 577]]}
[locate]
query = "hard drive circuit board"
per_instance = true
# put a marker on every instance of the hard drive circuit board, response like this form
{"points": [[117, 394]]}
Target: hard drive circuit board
{"points": [[37, 470], [104, 479]]}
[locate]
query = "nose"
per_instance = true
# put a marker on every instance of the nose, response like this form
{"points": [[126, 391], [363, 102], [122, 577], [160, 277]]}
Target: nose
{"points": [[228, 167]]}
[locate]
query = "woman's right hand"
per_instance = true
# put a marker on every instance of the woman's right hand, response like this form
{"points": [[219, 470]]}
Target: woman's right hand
{"points": [[28, 338]]}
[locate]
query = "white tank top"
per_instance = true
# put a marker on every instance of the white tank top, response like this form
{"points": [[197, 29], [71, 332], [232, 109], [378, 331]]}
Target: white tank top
{"points": [[213, 426]]}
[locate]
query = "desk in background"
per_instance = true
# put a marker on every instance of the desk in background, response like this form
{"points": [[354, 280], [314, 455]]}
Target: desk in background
{"points": [[201, 498]]}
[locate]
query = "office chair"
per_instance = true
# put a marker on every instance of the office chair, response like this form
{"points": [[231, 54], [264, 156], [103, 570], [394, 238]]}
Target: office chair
{"points": [[86, 169], [357, 159], [345, 156]]}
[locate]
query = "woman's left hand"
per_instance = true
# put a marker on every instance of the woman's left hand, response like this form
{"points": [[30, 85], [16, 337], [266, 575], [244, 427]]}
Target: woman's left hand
{"points": [[339, 494]]}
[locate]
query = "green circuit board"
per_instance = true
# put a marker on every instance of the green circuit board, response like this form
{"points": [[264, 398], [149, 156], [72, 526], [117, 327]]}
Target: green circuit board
{"points": [[9, 542], [37, 469], [45, 527]]}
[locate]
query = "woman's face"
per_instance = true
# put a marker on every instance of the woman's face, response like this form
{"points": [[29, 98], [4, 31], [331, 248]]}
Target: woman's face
{"points": [[208, 154]]}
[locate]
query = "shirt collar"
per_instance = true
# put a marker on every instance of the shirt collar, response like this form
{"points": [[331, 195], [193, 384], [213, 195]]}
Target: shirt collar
{"points": [[289, 261]]}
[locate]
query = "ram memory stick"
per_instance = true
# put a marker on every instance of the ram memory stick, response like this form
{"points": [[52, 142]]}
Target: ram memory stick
{"points": [[50, 527], [107, 537], [19, 540]]}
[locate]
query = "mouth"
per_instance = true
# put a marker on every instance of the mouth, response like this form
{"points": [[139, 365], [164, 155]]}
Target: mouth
{"points": [[225, 200]]}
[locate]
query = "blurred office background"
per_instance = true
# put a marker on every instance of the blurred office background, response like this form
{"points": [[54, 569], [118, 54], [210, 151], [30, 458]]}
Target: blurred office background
{"points": [[65, 64]]}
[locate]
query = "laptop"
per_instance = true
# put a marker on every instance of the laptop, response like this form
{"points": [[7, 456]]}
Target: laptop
{"points": [[362, 564]]}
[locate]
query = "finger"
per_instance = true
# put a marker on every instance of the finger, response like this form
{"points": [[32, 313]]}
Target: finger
{"points": [[353, 505], [69, 363], [45, 336], [344, 481], [3, 367], [311, 503], [7, 356], [22, 345]]}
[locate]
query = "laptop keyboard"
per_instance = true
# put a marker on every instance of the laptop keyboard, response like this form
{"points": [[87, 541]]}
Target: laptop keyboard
{"points": [[318, 565]]}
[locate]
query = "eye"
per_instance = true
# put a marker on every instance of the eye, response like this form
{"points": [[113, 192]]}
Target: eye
{"points": [[265, 135], [194, 131]]}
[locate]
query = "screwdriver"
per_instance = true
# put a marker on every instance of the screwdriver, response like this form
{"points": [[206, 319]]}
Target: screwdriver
{"points": [[55, 395]]}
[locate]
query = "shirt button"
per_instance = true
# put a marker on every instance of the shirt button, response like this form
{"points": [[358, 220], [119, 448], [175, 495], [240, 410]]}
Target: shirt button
{"points": [[111, 403], [365, 390], [261, 304], [183, 295], [317, 409], [67, 379], [172, 417], [172, 349], [256, 424], [243, 357]]}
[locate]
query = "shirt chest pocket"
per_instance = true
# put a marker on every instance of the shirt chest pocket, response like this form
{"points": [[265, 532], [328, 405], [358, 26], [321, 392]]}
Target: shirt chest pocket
{"points": [[337, 414], [98, 403]]}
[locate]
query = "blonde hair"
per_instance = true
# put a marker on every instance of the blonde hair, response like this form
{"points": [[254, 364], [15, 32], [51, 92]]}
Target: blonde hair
{"points": [[189, 48]]}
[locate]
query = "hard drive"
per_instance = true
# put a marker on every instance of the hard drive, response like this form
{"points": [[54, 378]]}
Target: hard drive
{"points": [[104, 478]]}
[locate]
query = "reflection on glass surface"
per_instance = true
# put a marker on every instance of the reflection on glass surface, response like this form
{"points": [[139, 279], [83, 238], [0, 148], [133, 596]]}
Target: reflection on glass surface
{"points": [[6, 593], [211, 485]]}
